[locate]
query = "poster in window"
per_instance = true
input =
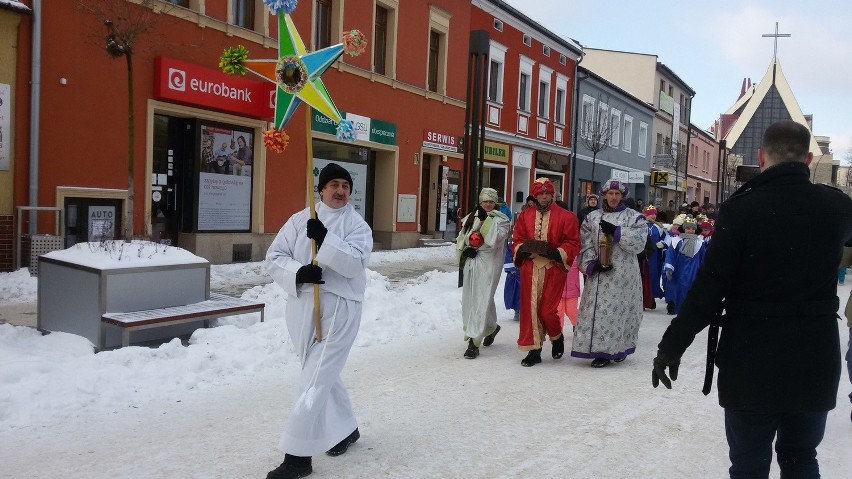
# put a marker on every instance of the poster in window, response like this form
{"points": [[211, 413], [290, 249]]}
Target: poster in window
{"points": [[225, 179]]}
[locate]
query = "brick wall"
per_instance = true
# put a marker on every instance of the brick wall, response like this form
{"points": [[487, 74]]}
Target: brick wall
{"points": [[6, 243]]}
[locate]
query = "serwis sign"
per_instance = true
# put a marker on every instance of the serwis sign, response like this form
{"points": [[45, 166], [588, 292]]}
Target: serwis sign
{"points": [[191, 84]]}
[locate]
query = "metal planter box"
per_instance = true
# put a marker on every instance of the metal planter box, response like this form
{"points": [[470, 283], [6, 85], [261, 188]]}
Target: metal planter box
{"points": [[73, 297]]}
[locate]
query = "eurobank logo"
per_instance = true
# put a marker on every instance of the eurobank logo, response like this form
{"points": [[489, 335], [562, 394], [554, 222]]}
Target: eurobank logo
{"points": [[177, 79], [206, 87]]}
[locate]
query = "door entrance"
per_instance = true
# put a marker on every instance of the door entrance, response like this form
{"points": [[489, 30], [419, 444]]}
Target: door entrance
{"points": [[172, 181]]}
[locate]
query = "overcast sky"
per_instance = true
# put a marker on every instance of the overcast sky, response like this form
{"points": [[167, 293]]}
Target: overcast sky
{"points": [[712, 46]]}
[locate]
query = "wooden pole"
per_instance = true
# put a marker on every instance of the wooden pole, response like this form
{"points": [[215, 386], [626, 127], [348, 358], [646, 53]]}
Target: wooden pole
{"points": [[310, 188]]}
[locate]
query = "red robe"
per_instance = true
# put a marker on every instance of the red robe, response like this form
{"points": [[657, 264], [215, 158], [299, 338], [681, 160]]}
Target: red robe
{"points": [[542, 280]]}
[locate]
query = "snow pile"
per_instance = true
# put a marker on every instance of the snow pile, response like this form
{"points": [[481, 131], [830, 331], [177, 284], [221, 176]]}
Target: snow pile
{"points": [[18, 287], [120, 254]]}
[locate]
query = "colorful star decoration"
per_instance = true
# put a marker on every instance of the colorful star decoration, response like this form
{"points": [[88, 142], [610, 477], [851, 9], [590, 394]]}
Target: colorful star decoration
{"points": [[297, 74]]}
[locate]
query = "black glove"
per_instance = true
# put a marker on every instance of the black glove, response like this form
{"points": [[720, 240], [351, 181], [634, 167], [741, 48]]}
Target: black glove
{"points": [[316, 231], [658, 374], [309, 273], [481, 213], [469, 252], [607, 227], [554, 255], [601, 268], [521, 256]]}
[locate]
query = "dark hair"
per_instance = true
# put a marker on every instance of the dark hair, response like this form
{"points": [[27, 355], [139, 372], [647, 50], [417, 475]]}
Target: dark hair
{"points": [[786, 141], [530, 198]]}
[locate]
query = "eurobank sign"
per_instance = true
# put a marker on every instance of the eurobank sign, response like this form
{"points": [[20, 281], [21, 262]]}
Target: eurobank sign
{"points": [[195, 85], [366, 128]]}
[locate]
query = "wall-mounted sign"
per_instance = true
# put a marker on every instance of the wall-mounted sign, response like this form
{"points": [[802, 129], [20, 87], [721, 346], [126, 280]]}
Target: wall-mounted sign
{"points": [[196, 85], [635, 177], [101, 223], [440, 141], [620, 175], [366, 128], [551, 161], [496, 152]]}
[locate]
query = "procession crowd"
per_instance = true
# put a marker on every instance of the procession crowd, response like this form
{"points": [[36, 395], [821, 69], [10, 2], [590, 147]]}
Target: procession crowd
{"points": [[778, 354]]}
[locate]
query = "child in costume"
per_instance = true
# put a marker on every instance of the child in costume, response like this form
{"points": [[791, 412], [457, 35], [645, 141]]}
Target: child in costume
{"points": [[683, 261]]}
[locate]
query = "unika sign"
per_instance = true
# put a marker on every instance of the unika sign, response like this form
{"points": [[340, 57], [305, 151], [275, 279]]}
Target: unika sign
{"points": [[191, 84]]}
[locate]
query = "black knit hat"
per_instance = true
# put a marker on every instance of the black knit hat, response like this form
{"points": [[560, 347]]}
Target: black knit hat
{"points": [[333, 171]]}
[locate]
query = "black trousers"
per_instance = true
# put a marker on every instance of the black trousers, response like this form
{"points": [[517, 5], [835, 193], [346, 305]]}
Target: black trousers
{"points": [[750, 436]]}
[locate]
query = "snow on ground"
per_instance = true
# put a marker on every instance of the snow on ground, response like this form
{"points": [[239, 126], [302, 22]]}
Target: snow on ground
{"points": [[215, 408]]}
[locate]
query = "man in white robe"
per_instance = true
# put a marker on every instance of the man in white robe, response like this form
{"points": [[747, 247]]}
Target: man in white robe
{"points": [[483, 265], [322, 419]]}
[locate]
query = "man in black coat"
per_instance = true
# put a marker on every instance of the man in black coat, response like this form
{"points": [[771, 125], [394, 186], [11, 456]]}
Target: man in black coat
{"points": [[779, 351]]}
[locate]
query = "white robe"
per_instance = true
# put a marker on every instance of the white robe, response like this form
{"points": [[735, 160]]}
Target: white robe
{"points": [[481, 275], [322, 414]]}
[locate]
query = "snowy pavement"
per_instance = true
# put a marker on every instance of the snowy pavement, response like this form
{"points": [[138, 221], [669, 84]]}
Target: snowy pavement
{"points": [[215, 408]]}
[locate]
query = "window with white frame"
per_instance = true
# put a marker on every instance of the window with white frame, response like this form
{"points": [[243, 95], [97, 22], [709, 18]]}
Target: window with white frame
{"points": [[527, 40], [643, 139], [498, 25], [525, 83], [563, 60], [384, 37], [561, 98], [246, 14], [627, 135], [544, 77], [588, 115], [497, 55], [439, 31], [615, 125], [545, 50]]}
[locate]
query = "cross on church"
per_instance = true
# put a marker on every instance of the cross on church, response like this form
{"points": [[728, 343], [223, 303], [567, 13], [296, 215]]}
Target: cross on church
{"points": [[776, 35]]}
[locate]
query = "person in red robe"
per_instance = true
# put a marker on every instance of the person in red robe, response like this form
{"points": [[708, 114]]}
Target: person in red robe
{"points": [[545, 241]]}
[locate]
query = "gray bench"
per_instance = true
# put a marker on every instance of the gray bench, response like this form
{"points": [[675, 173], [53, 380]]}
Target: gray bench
{"points": [[219, 305]]}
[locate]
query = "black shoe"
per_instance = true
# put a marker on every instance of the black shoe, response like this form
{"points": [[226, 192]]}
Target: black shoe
{"points": [[343, 445], [670, 309], [600, 362], [558, 347], [489, 340], [620, 359], [533, 358], [291, 471], [472, 351]]}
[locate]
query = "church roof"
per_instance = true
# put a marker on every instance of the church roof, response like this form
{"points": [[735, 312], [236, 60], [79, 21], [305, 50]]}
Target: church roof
{"points": [[749, 103]]}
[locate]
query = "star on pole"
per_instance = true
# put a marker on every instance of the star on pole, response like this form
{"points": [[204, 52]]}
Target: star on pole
{"points": [[297, 74]]}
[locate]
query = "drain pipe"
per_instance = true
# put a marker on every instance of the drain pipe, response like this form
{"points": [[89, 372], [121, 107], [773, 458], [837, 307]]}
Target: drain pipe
{"points": [[35, 101]]}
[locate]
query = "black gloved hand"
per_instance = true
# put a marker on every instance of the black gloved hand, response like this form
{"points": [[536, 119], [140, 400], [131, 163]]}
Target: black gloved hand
{"points": [[316, 231], [309, 273], [521, 256], [601, 268], [607, 227], [469, 252], [658, 374], [481, 213], [554, 255]]}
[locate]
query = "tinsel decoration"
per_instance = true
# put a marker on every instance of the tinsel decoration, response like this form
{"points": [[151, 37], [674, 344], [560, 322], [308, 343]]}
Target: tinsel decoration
{"points": [[276, 140], [280, 6], [354, 42], [291, 73], [346, 131], [231, 61]]}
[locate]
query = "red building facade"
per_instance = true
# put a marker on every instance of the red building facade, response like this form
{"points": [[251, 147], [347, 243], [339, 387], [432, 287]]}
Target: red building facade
{"points": [[405, 95], [530, 101]]}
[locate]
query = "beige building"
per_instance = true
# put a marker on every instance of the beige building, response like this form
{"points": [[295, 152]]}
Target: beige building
{"points": [[648, 79]]}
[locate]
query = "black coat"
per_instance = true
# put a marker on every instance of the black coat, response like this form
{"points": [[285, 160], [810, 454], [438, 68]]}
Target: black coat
{"points": [[772, 266]]}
